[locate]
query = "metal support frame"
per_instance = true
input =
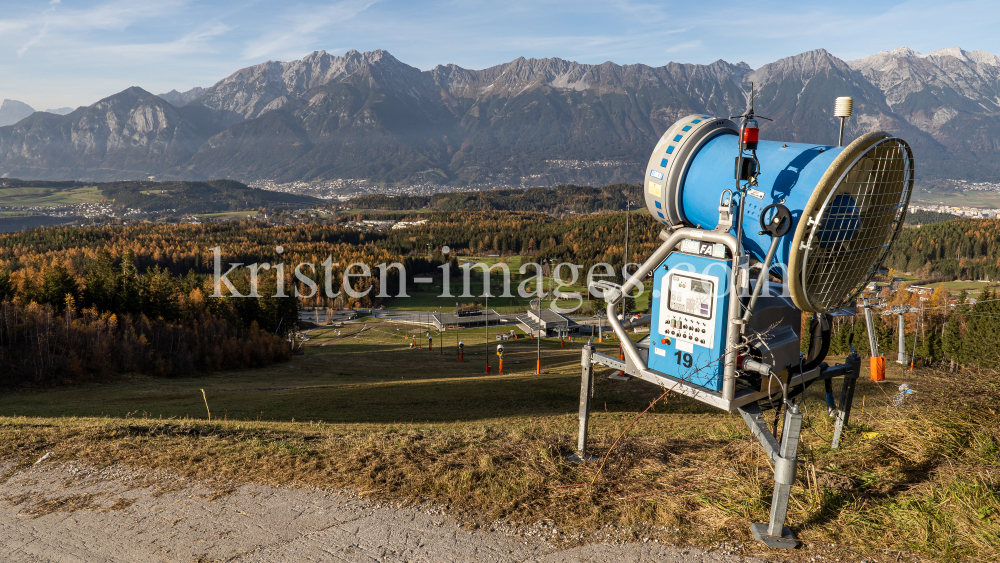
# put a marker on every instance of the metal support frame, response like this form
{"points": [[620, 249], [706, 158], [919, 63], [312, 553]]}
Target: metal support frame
{"points": [[783, 455], [785, 459], [745, 402], [846, 398]]}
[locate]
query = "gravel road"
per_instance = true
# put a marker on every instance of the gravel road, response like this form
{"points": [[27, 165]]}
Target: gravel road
{"points": [[71, 512]]}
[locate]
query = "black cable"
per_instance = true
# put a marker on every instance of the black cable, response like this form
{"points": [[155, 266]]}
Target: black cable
{"points": [[817, 353]]}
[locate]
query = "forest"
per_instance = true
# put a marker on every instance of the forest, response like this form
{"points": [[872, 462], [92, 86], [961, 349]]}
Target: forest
{"points": [[956, 249], [957, 333], [144, 291], [560, 199]]}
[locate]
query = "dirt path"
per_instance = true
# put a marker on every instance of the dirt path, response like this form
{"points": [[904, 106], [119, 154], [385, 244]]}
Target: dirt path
{"points": [[66, 512]]}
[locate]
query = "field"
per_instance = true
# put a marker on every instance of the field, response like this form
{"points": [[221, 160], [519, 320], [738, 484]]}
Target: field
{"points": [[971, 287], [39, 197], [346, 378], [426, 297], [227, 215], [967, 198], [363, 410]]}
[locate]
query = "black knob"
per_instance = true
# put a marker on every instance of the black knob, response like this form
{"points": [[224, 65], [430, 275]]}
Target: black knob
{"points": [[777, 225]]}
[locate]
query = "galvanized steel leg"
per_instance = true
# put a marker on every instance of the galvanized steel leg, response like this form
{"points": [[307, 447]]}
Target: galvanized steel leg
{"points": [[846, 398], [775, 533]]}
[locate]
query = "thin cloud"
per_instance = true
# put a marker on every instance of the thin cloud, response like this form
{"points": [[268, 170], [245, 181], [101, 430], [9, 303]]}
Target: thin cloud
{"points": [[302, 28], [195, 42], [116, 15], [67, 28], [688, 46], [34, 40]]}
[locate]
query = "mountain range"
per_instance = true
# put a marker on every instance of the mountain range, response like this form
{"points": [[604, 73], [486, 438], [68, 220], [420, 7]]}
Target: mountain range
{"points": [[529, 121]]}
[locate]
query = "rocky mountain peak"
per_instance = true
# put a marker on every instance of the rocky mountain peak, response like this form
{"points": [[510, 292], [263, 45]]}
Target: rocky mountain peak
{"points": [[903, 51], [956, 52], [799, 67], [126, 99], [179, 99], [901, 73], [12, 111], [249, 92]]}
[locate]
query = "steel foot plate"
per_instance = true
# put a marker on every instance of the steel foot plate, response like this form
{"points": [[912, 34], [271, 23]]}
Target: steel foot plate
{"points": [[785, 541]]}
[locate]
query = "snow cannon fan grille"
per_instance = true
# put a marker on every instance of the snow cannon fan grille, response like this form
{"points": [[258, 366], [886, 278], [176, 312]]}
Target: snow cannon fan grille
{"points": [[850, 222]]}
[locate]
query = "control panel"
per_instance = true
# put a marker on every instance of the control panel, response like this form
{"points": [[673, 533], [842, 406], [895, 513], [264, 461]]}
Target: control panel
{"points": [[689, 324], [690, 307]]}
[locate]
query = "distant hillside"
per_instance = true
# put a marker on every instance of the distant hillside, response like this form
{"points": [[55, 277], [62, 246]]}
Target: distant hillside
{"points": [[56, 184], [185, 197], [197, 197], [567, 198]]}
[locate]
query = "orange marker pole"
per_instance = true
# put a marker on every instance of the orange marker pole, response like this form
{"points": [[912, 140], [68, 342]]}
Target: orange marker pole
{"points": [[538, 367], [501, 365], [563, 342], [621, 356]]}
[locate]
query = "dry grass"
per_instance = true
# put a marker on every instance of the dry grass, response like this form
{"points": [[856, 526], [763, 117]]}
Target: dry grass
{"points": [[912, 483]]}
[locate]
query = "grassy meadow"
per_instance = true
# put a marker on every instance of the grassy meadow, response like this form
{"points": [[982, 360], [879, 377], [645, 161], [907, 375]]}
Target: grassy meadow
{"points": [[361, 409], [33, 196]]}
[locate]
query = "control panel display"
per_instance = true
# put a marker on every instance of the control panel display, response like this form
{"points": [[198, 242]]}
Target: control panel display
{"points": [[691, 296], [689, 314]]}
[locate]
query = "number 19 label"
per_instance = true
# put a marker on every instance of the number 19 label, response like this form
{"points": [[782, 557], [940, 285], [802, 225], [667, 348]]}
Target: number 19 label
{"points": [[683, 358]]}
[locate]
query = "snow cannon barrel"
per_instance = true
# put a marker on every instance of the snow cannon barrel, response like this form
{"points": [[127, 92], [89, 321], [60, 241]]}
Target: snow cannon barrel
{"points": [[847, 203]]}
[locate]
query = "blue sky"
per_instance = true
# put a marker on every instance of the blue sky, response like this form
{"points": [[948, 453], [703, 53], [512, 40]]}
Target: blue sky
{"points": [[74, 52]]}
